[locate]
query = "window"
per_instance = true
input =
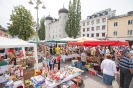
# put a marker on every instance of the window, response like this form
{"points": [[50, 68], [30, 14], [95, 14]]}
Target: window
{"points": [[103, 27], [87, 35], [84, 24], [103, 34], [129, 32], [98, 28], [92, 22], [92, 28], [83, 35], [65, 17], [97, 34], [115, 23], [88, 29], [130, 22], [88, 23], [115, 33], [83, 29], [103, 20], [92, 35], [98, 21]]}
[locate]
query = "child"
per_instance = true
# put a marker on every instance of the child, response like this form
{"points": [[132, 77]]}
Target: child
{"points": [[45, 67], [55, 68]]}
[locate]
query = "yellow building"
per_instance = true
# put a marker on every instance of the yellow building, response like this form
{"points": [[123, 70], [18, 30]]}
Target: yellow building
{"points": [[121, 27]]}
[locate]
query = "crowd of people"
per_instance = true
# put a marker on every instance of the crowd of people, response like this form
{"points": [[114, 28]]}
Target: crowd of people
{"points": [[113, 59]]}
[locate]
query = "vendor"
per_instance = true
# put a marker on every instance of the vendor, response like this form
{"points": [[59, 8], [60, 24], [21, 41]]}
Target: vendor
{"points": [[12, 58], [2, 62]]}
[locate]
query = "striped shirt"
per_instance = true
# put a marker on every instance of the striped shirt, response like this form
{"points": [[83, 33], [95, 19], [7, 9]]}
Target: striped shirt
{"points": [[126, 63]]}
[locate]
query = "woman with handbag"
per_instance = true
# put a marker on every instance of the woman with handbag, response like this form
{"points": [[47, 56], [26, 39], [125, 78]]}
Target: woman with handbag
{"points": [[108, 68], [12, 58]]}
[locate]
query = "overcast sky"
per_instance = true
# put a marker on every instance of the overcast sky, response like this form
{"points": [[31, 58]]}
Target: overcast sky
{"points": [[88, 7]]}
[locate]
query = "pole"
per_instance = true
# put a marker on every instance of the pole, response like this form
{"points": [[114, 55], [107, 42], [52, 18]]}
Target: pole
{"points": [[37, 24]]}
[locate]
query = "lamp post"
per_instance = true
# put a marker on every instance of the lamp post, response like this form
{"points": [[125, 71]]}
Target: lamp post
{"points": [[37, 2]]}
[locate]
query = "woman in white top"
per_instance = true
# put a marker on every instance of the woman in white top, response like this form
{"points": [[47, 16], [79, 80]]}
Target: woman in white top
{"points": [[108, 68]]}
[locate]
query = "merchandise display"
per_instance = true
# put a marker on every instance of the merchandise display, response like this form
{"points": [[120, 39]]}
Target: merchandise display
{"points": [[54, 78], [12, 76]]}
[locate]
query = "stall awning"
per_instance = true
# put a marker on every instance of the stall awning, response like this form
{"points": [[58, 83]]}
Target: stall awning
{"points": [[102, 42], [106, 43]]}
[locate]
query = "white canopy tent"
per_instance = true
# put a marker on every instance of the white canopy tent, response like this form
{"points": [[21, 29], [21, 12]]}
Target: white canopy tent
{"points": [[13, 43], [85, 39]]}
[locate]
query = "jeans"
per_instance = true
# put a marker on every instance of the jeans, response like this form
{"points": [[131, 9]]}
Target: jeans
{"points": [[83, 63], [125, 78]]}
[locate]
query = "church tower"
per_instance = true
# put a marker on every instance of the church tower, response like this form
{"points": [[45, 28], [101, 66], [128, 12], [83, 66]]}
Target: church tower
{"points": [[63, 17], [47, 26]]}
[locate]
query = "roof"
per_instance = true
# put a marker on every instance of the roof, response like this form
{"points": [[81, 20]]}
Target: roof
{"points": [[49, 18], [121, 16], [63, 10], [100, 13], [2, 29]]}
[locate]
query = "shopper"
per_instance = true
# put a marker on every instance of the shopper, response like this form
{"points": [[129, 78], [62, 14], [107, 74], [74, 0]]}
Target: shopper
{"points": [[108, 68], [126, 70], [57, 50], [12, 59], [83, 58]]}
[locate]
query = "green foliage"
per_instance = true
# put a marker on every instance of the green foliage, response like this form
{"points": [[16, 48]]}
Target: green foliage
{"points": [[72, 27], [22, 23], [41, 31]]}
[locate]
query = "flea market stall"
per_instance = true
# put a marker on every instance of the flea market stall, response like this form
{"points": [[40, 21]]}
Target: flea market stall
{"points": [[94, 61], [12, 71]]}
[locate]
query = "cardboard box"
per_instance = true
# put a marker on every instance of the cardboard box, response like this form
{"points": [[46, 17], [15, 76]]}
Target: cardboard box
{"points": [[92, 72], [28, 73]]}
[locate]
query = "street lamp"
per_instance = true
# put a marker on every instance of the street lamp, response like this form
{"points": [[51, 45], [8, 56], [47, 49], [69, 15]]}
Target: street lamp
{"points": [[37, 2]]}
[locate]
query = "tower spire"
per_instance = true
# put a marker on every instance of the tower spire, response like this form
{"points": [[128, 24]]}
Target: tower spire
{"points": [[49, 13], [63, 4]]}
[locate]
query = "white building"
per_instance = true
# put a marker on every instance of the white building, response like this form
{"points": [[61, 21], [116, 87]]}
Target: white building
{"points": [[95, 26], [55, 28]]}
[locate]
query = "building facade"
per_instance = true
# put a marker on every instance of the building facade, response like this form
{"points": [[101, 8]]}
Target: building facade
{"points": [[3, 32], [121, 27], [95, 26], [55, 28]]}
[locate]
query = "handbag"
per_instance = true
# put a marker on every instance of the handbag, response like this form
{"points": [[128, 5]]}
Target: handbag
{"points": [[115, 84]]}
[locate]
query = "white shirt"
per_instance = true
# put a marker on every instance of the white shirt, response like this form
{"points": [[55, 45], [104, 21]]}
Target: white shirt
{"points": [[83, 57], [107, 51], [109, 67]]}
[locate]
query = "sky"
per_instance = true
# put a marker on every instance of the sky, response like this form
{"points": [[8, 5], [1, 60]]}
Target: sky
{"points": [[88, 7]]}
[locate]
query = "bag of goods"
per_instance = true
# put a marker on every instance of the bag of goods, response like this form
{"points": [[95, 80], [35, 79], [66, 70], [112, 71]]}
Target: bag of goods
{"points": [[38, 80]]}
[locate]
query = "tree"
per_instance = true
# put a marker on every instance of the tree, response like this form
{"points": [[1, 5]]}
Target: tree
{"points": [[22, 23], [72, 27], [41, 31], [68, 26], [77, 19]]}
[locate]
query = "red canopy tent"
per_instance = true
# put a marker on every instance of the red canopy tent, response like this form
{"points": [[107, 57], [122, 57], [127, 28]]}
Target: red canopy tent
{"points": [[106, 43], [102, 42]]}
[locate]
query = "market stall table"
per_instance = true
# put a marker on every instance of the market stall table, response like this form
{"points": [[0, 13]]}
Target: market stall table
{"points": [[64, 57], [54, 84]]}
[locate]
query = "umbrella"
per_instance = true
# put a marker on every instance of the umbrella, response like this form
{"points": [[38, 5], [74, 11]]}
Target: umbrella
{"points": [[56, 40], [82, 39]]}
